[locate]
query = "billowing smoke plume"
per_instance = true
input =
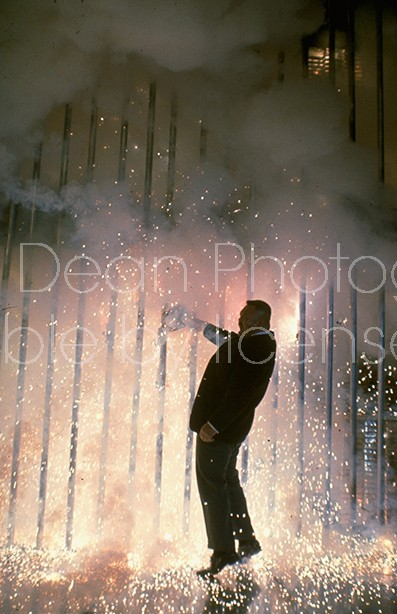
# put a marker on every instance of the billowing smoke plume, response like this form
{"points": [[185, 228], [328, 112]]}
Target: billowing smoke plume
{"points": [[52, 50]]}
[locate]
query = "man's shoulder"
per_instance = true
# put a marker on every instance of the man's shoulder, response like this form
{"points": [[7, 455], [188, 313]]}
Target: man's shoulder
{"points": [[261, 338], [257, 347]]}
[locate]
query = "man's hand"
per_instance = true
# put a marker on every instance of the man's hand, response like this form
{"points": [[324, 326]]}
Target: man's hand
{"points": [[207, 433]]}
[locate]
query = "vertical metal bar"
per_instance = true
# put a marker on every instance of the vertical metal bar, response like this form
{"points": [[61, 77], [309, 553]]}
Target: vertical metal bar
{"points": [[192, 383], [64, 169], [50, 364], [380, 482], [23, 347], [8, 251], [147, 199], [36, 178], [329, 403], [331, 41], [160, 382], [74, 430], [6, 270], [46, 429], [78, 356], [65, 146], [380, 92], [353, 408], [123, 145], [171, 161], [301, 403], [189, 434], [110, 333], [92, 142], [138, 352], [273, 445], [203, 143], [351, 58]]}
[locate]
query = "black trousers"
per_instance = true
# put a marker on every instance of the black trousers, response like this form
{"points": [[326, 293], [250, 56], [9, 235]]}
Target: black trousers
{"points": [[222, 498]]}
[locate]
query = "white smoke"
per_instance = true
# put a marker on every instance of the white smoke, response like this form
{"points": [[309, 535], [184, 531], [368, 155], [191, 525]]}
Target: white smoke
{"points": [[54, 49]]}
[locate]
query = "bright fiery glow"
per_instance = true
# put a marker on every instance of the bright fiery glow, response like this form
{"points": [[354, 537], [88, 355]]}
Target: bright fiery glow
{"points": [[353, 574]]}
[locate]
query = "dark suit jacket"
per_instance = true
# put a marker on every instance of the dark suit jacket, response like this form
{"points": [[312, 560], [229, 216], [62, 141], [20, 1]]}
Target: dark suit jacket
{"points": [[234, 383]]}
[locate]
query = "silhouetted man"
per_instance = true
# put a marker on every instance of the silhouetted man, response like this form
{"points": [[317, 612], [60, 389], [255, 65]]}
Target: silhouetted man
{"points": [[233, 384]]}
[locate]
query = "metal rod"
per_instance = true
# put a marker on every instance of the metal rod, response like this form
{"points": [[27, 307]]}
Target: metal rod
{"points": [[8, 248], [169, 210], [147, 198], [65, 146], [203, 142], [381, 466], [329, 404], [138, 352], [123, 145], [353, 407], [36, 179], [160, 382], [78, 358], [137, 387], [380, 92], [50, 363], [64, 166], [92, 142], [192, 382], [189, 434], [75, 415], [23, 348], [351, 58], [6, 270], [331, 41], [110, 334], [301, 403], [46, 427]]}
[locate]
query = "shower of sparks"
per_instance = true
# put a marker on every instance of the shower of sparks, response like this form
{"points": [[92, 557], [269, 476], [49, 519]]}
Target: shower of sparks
{"points": [[109, 570], [352, 575]]}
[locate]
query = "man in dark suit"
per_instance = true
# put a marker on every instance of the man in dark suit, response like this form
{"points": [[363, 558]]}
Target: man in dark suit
{"points": [[233, 384]]}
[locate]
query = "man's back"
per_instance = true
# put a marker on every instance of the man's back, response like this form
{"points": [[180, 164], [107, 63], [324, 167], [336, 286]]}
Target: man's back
{"points": [[234, 383]]}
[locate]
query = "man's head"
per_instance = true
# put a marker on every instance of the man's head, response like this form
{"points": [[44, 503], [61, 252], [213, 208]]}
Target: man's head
{"points": [[256, 314]]}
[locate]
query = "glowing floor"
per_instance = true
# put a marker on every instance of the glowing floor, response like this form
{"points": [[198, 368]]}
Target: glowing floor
{"points": [[361, 578]]}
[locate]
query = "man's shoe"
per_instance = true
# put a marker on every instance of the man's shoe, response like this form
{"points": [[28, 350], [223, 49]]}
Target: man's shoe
{"points": [[249, 548], [218, 561]]}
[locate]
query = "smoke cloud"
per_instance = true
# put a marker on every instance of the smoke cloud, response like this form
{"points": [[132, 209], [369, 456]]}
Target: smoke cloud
{"points": [[51, 50]]}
